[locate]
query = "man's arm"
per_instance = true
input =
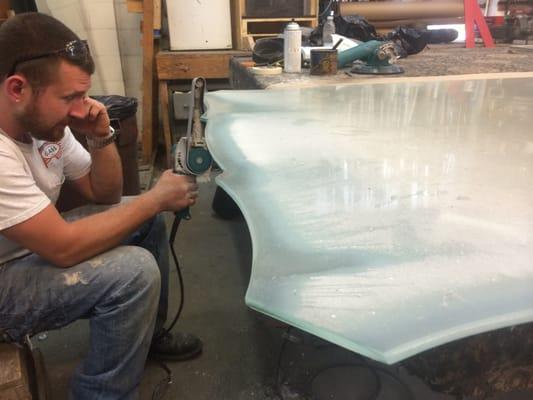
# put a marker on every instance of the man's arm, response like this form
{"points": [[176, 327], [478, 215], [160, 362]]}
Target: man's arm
{"points": [[103, 184], [66, 244]]}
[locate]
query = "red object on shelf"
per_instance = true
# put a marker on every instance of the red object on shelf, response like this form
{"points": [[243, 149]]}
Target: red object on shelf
{"points": [[497, 20], [473, 15]]}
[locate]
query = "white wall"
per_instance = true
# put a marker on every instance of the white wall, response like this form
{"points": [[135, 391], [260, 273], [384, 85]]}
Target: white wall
{"points": [[115, 40], [131, 52]]}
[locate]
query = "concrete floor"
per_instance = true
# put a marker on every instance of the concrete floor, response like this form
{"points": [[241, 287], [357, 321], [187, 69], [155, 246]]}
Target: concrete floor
{"points": [[241, 347]]}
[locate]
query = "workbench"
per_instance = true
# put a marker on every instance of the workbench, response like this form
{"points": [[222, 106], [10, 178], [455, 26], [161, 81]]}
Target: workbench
{"points": [[436, 60]]}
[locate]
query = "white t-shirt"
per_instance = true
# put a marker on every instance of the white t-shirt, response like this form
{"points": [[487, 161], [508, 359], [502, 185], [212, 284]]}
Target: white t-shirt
{"points": [[31, 175]]}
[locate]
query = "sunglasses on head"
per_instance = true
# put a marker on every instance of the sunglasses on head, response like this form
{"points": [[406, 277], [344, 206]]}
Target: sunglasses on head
{"points": [[75, 50]]}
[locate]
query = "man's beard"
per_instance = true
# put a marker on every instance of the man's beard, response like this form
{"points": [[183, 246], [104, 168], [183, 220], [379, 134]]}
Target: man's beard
{"points": [[32, 122]]}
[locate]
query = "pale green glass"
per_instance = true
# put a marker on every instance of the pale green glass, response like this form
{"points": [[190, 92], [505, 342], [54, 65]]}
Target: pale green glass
{"points": [[385, 218]]}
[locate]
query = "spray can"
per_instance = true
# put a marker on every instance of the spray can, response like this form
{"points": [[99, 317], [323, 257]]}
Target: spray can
{"points": [[292, 47]]}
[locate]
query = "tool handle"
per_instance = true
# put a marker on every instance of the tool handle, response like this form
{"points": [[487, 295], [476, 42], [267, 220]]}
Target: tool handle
{"points": [[184, 214]]}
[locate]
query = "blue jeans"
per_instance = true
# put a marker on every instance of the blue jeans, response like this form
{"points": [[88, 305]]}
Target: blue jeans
{"points": [[118, 291]]}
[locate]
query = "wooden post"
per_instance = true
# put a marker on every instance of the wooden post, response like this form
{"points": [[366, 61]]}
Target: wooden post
{"points": [[148, 134], [165, 116], [4, 10], [157, 15]]}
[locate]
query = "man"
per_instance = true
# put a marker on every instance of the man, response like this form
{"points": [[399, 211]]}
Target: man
{"points": [[109, 267]]}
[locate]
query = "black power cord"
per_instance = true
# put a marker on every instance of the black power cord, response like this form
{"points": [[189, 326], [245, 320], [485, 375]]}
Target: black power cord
{"points": [[171, 240], [376, 389], [161, 388], [375, 370]]}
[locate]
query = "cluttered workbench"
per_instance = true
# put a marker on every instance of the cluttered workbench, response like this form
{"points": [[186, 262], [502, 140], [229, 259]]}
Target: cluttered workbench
{"points": [[435, 60]]}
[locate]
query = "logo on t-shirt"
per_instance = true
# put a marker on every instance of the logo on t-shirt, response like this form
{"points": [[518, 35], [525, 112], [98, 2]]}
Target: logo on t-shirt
{"points": [[49, 151]]}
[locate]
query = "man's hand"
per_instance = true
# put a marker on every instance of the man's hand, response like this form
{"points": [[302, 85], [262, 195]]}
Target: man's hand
{"points": [[175, 192], [96, 122]]}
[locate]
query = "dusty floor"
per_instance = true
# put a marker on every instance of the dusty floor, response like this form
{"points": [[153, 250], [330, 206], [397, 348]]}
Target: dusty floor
{"points": [[240, 358]]}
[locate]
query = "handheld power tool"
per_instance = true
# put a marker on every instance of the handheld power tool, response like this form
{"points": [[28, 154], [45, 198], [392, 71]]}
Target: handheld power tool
{"points": [[379, 57], [190, 157], [190, 154]]}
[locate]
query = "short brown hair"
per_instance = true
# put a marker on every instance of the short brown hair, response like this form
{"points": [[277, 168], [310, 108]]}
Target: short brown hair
{"points": [[31, 34]]}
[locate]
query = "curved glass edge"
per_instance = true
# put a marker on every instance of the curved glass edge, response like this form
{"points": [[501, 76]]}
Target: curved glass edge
{"points": [[392, 354]]}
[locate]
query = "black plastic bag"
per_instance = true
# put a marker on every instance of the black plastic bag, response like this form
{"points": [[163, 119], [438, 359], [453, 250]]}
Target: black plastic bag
{"points": [[355, 27], [411, 40], [118, 107], [351, 26], [442, 36]]}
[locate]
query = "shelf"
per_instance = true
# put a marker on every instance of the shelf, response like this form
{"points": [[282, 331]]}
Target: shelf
{"points": [[247, 29], [211, 64], [287, 19], [256, 35]]}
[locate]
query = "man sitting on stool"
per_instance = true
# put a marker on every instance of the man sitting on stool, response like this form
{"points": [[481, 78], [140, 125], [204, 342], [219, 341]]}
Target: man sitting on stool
{"points": [[106, 263]]}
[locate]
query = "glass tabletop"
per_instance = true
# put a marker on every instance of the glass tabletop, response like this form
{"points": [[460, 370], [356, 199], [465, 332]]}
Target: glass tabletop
{"points": [[385, 218]]}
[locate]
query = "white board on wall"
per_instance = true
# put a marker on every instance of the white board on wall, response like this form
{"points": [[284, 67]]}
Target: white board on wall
{"points": [[199, 25]]}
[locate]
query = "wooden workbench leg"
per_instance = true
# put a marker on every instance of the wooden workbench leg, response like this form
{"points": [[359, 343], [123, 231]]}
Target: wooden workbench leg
{"points": [[148, 82], [165, 115]]}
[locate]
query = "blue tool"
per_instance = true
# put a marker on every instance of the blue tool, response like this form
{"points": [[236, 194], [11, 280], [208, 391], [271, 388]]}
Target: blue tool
{"points": [[379, 57]]}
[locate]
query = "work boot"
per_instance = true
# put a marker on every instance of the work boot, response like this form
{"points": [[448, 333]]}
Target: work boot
{"points": [[175, 347]]}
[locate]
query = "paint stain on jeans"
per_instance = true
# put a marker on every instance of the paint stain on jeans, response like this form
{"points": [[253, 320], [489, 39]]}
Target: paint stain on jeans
{"points": [[74, 278], [96, 262]]}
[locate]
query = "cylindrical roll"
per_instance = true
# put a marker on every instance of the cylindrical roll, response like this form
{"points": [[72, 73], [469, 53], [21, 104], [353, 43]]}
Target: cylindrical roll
{"points": [[417, 22], [394, 10]]}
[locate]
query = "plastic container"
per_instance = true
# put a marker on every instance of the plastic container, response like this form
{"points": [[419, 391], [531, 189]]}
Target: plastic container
{"points": [[122, 111], [328, 30], [292, 48]]}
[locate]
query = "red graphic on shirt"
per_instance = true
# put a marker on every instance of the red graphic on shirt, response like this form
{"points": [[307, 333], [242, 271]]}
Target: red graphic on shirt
{"points": [[49, 151]]}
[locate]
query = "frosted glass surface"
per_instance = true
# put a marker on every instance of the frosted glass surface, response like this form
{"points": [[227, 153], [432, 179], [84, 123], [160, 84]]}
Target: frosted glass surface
{"points": [[385, 218]]}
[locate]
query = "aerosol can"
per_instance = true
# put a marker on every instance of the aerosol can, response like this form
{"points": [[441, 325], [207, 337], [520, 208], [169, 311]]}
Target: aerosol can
{"points": [[292, 48]]}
